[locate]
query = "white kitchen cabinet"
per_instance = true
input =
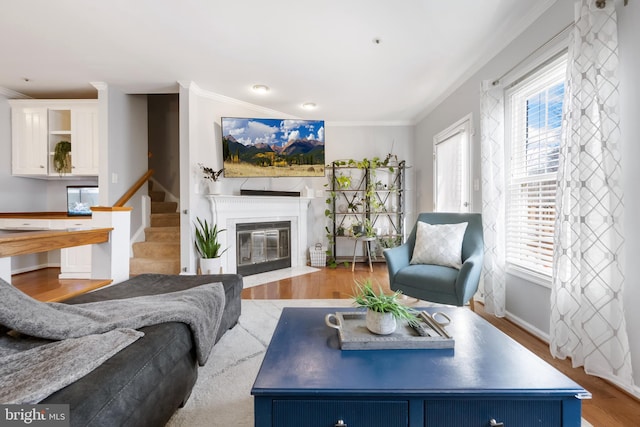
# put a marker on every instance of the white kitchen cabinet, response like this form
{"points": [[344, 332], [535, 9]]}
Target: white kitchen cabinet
{"points": [[38, 125], [30, 135]]}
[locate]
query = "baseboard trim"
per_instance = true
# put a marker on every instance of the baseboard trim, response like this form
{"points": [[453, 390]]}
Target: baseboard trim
{"points": [[34, 268], [538, 333]]}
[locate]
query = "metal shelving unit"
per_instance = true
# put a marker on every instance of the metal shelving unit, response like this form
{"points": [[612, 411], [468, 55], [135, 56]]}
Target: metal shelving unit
{"points": [[358, 195]]}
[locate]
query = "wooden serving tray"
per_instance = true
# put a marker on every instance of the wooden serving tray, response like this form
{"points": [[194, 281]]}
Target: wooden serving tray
{"points": [[354, 335]]}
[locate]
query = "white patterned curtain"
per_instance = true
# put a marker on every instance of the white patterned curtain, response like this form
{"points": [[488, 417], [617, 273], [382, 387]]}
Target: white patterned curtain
{"points": [[587, 317], [493, 196]]}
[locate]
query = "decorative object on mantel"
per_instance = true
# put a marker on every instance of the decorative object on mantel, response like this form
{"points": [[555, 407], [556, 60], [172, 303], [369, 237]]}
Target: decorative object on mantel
{"points": [[62, 157], [382, 310], [213, 176], [208, 247]]}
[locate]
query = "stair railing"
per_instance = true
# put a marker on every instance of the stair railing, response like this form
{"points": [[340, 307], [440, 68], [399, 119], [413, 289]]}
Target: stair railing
{"points": [[134, 188]]}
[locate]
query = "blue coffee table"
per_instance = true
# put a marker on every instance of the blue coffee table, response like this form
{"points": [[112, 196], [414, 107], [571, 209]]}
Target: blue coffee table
{"points": [[487, 379]]}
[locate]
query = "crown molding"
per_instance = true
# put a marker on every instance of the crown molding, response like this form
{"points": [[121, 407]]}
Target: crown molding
{"points": [[390, 123], [99, 85], [12, 94], [192, 86]]}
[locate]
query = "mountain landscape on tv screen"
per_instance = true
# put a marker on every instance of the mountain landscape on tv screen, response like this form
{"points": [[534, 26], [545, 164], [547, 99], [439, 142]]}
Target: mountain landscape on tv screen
{"points": [[270, 147]]}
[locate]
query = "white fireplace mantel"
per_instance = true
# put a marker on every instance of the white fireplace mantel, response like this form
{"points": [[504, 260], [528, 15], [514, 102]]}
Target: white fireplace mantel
{"points": [[227, 211]]}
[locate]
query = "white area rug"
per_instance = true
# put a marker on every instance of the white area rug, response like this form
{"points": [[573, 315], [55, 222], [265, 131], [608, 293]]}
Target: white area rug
{"points": [[272, 276], [222, 394]]}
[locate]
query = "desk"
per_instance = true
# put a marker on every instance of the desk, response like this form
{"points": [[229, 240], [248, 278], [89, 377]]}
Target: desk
{"points": [[19, 242], [366, 240]]}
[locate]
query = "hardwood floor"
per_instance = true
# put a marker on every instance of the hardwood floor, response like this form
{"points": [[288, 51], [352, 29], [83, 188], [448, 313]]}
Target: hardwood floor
{"points": [[44, 285], [610, 407]]}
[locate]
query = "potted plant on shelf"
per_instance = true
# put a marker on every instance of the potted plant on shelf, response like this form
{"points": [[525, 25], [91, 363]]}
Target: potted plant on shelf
{"points": [[382, 310], [208, 246], [213, 176], [62, 157]]}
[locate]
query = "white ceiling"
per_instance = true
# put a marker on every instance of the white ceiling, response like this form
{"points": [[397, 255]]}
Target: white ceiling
{"points": [[305, 51]]}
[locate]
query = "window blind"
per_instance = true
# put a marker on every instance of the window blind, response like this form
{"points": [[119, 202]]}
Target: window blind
{"points": [[534, 115]]}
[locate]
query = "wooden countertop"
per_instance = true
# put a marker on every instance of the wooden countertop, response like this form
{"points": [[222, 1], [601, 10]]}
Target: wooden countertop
{"points": [[17, 242], [42, 215]]}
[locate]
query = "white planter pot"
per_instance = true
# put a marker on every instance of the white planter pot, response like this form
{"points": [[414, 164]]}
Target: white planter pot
{"points": [[215, 187], [380, 323], [210, 265]]}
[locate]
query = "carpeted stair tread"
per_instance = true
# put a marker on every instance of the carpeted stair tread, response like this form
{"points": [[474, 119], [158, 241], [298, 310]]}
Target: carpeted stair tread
{"points": [[156, 250], [162, 234], [147, 265], [165, 219], [163, 207], [157, 196]]}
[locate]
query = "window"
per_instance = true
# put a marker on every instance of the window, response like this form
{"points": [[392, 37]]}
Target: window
{"points": [[534, 124]]}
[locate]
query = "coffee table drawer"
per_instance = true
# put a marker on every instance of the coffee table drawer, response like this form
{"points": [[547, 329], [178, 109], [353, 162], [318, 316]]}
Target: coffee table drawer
{"points": [[328, 413], [478, 413]]}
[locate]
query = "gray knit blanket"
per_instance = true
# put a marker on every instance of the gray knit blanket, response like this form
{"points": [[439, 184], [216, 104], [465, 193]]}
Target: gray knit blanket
{"points": [[52, 345]]}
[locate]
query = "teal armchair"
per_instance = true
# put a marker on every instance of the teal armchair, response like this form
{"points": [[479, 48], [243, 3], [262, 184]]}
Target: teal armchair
{"points": [[436, 283]]}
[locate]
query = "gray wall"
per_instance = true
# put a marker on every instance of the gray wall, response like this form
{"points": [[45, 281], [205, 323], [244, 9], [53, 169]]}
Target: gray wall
{"points": [[123, 149], [164, 141], [529, 303], [629, 35]]}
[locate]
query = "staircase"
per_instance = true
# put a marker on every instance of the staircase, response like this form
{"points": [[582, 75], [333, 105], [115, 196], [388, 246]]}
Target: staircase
{"points": [[160, 252]]}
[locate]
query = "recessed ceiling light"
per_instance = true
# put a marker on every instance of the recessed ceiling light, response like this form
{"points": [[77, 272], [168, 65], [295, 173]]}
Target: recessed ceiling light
{"points": [[309, 105], [261, 88]]}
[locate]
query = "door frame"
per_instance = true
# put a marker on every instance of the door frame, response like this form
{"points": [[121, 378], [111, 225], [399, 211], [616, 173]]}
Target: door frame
{"points": [[463, 125]]}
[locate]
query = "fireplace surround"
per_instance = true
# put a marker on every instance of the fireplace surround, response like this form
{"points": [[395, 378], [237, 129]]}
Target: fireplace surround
{"points": [[229, 211]]}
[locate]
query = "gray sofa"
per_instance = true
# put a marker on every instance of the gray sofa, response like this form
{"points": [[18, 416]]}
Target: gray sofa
{"points": [[146, 382]]}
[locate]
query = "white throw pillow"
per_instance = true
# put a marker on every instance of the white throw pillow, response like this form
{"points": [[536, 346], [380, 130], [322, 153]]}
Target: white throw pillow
{"points": [[439, 244]]}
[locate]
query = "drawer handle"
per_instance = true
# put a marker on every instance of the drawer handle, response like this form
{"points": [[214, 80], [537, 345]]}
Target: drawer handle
{"points": [[494, 423], [340, 423]]}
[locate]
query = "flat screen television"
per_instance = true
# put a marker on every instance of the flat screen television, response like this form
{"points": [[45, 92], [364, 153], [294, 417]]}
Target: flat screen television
{"points": [[272, 147], [80, 198]]}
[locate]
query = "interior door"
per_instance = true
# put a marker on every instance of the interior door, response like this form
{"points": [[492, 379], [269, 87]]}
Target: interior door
{"points": [[451, 166]]}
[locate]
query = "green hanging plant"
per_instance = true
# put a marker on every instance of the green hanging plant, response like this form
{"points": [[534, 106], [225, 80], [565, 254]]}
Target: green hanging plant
{"points": [[61, 157]]}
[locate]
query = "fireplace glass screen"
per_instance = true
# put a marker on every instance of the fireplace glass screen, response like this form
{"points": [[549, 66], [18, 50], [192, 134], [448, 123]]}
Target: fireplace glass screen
{"points": [[263, 246]]}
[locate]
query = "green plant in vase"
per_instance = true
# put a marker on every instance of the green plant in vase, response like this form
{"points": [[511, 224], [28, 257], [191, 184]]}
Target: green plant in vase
{"points": [[382, 310], [208, 246], [62, 157]]}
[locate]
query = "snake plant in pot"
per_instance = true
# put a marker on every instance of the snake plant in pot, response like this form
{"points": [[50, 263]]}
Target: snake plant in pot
{"points": [[208, 246], [382, 310]]}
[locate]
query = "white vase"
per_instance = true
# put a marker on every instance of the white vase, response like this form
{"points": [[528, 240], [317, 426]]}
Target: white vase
{"points": [[210, 265], [215, 187], [380, 323]]}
